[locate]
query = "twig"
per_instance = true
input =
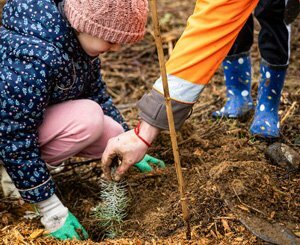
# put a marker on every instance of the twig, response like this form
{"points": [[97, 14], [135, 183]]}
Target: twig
{"points": [[288, 112], [200, 107], [161, 57], [126, 106], [73, 165], [255, 209], [170, 47]]}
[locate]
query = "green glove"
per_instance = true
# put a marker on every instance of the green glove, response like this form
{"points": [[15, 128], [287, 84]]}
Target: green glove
{"points": [[144, 166], [71, 229]]}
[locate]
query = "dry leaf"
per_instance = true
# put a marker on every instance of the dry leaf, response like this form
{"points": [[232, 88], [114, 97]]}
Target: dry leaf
{"points": [[239, 239], [18, 235], [297, 233], [225, 225], [36, 234], [198, 152], [272, 215], [243, 208]]}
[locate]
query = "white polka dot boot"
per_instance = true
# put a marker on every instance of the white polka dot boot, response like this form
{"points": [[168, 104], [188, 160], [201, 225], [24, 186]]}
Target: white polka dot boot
{"points": [[237, 75], [266, 118]]}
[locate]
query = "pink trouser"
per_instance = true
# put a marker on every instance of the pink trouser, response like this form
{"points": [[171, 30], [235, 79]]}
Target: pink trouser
{"points": [[75, 128]]}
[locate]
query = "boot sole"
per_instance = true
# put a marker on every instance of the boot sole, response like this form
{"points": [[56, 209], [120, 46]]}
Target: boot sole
{"points": [[243, 118], [261, 138]]}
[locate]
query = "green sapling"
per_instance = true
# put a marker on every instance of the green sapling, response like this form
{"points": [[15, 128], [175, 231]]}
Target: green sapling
{"points": [[112, 210]]}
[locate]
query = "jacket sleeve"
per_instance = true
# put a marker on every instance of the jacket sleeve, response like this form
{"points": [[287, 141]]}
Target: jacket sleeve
{"points": [[98, 93], [24, 96], [210, 32]]}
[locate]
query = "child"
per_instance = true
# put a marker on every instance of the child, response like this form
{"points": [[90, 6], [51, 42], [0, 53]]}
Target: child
{"points": [[274, 38], [54, 103]]}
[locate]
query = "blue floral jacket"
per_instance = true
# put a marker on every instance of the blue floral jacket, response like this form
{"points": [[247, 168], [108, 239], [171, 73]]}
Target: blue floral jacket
{"points": [[41, 63]]}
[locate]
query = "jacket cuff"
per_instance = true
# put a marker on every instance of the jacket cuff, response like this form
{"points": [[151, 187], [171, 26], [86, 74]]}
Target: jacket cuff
{"points": [[39, 193], [153, 110]]}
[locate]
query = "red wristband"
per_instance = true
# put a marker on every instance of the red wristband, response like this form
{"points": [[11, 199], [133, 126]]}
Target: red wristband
{"points": [[137, 131]]}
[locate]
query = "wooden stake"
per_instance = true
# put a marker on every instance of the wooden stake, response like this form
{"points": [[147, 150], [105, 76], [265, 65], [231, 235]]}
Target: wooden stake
{"points": [[161, 57]]}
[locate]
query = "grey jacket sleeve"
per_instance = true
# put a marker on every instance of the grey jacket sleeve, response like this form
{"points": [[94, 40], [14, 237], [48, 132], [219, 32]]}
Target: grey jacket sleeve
{"points": [[153, 110]]}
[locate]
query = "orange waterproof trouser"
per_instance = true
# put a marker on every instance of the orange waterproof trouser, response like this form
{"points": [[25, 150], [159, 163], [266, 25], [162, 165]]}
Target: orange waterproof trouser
{"points": [[208, 37]]}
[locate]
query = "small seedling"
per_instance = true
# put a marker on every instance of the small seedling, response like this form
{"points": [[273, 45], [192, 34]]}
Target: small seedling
{"points": [[112, 210]]}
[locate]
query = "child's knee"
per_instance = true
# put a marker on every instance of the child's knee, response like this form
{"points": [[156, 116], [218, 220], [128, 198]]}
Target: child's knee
{"points": [[112, 128], [91, 120]]}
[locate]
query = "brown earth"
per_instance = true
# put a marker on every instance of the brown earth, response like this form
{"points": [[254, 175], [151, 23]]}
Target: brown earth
{"points": [[228, 178]]}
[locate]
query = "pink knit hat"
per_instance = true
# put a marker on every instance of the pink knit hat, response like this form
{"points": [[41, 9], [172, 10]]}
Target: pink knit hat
{"points": [[115, 21]]}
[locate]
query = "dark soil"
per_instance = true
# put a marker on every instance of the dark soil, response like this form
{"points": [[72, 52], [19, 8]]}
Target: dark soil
{"points": [[227, 174]]}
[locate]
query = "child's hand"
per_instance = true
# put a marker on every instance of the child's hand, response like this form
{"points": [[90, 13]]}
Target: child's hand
{"points": [[144, 165], [71, 229], [59, 221]]}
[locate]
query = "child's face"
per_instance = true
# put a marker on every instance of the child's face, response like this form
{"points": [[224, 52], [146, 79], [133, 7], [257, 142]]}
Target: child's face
{"points": [[94, 46]]}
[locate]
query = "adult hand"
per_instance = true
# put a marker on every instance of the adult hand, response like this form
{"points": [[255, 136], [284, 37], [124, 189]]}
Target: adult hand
{"points": [[129, 147]]}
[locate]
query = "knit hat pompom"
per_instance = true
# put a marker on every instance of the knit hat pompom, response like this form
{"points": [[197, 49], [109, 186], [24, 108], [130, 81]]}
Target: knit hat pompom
{"points": [[115, 21]]}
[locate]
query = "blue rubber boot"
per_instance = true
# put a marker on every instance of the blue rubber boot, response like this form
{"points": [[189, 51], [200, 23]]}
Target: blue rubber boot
{"points": [[237, 73], [266, 119]]}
